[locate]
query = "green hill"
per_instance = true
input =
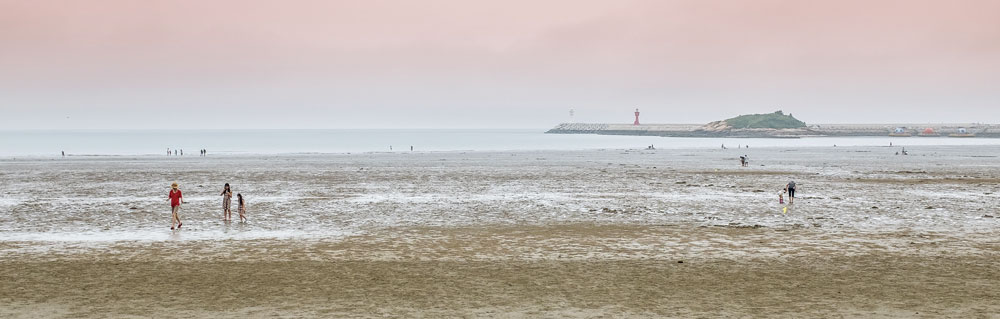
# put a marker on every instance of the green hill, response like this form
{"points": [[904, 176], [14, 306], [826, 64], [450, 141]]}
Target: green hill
{"points": [[774, 120]]}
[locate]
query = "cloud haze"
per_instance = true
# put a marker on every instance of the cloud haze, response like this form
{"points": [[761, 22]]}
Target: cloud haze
{"points": [[471, 64]]}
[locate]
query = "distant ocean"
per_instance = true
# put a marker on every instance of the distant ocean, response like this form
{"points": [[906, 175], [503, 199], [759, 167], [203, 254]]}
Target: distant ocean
{"points": [[46, 143]]}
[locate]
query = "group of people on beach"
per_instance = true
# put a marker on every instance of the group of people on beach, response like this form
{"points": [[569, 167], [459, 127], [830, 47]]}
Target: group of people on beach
{"points": [[745, 161], [790, 190], [737, 146], [201, 152], [176, 198]]}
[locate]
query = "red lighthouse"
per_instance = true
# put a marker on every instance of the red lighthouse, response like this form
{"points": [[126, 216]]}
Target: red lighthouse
{"points": [[636, 117]]}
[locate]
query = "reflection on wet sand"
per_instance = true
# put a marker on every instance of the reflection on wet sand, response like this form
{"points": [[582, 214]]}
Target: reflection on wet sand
{"points": [[535, 233]]}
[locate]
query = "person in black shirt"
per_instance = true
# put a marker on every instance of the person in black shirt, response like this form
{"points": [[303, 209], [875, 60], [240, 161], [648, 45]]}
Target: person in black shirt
{"points": [[790, 188]]}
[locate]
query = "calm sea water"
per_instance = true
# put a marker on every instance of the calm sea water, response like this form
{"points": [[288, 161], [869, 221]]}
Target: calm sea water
{"points": [[155, 142]]}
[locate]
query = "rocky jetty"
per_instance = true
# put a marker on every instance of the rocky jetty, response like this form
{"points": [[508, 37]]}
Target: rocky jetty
{"points": [[774, 125]]}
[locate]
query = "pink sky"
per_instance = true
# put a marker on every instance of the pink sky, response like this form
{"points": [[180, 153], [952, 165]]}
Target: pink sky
{"points": [[469, 64]]}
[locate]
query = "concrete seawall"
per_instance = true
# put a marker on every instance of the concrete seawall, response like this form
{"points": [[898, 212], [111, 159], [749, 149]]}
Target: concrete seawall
{"points": [[697, 130]]}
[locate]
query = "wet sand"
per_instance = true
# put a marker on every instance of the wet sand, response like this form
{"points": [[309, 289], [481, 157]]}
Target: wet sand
{"points": [[522, 234], [551, 271]]}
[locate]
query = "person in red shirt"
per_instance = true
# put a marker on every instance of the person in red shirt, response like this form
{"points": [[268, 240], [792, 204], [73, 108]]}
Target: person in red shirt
{"points": [[175, 205]]}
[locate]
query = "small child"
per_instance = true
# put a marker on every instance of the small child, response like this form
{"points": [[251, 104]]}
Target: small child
{"points": [[242, 208], [781, 199]]}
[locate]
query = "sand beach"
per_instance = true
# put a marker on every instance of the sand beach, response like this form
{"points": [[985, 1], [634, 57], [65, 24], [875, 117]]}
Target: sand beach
{"points": [[567, 234]]}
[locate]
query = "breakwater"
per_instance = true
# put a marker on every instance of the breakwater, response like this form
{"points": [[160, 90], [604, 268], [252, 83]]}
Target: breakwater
{"points": [[817, 130]]}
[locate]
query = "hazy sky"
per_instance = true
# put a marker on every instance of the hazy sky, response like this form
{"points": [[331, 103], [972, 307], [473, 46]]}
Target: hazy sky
{"points": [[492, 64]]}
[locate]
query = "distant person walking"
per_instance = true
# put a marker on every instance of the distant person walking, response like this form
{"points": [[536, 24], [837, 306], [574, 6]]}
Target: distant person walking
{"points": [[743, 161], [790, 188], [227, 197], [64, 153], [175, 198], [242, 208]]}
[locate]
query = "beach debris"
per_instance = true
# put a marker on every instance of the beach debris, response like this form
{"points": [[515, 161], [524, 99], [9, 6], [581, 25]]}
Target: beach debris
{"points": [[929, 207], [784, 210], [874, 207], [680, 261], [680, 182], [987, 216], [611, 211]]}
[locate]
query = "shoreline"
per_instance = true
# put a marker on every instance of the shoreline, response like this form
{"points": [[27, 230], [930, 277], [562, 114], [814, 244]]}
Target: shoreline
{"points": [[945, 142], [956, 130]]}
